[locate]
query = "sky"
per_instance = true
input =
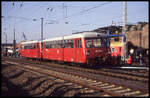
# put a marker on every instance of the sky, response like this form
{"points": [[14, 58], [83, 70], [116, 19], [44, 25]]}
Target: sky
{"points": [[64, 18]]}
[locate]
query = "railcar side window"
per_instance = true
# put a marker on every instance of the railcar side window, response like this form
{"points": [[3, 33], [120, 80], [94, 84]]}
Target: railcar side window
{"points": [[53, 44], [50, 44], [70, 43], [42, 44], [47, 44], [66, 44], [63, 43], [59, 44], [33, 46], [80, 44]]}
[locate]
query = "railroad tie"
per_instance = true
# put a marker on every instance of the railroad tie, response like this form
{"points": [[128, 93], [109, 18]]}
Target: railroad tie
{"points": [[105, 84], [69, 83], [145, 95], [122, 91], [116, 88], [97, 83], [106, 95], [131, 93], [110, 86], [78, 86], [89, 91]]}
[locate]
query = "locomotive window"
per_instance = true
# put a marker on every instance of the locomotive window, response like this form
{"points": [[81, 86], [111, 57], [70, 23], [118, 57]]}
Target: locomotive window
{"points": [[116, 39]]}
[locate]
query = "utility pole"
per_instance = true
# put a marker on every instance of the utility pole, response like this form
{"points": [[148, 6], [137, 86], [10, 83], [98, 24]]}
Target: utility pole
{"points": [[14, 42], [124, 30], [6, 37], [42, 38], [42, 28]]}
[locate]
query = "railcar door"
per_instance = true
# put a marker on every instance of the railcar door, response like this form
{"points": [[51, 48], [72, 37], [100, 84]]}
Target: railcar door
{"points": [[41, 50], [78, 51], [38, 50]]}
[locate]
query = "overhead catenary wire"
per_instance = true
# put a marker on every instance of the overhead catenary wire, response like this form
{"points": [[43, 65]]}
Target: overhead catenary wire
{"points": [[81, 12]]}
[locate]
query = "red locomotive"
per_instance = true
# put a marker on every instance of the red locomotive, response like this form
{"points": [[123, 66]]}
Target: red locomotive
{"points": [[84, 48]]}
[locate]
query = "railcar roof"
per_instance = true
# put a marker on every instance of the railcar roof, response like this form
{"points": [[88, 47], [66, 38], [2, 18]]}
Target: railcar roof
{"points": [[30, 42], [80, 35]]}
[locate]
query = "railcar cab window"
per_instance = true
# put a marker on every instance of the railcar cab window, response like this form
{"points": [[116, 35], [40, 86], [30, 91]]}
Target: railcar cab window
{"points": [[29, 46], [22, 46], [116, 39], [95, 42]]}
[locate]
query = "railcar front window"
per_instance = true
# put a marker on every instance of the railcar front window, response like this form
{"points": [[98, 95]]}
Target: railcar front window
{"points": [[95, 42], [88, 43]]}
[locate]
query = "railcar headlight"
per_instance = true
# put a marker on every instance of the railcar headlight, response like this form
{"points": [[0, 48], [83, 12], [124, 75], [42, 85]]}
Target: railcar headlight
{"points": [[88, 52], [109, 52]]}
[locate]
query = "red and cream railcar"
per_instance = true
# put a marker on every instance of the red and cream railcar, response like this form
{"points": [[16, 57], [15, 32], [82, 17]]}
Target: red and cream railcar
{"points": [[30, 49], [85, 48]]}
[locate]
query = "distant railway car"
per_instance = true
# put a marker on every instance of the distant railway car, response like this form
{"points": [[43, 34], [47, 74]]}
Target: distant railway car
{"points": [[30, 49], [85, 48]]}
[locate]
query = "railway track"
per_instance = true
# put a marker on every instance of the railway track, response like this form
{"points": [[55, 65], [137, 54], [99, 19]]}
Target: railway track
{"points": [[109, 89], [140, 75]]}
